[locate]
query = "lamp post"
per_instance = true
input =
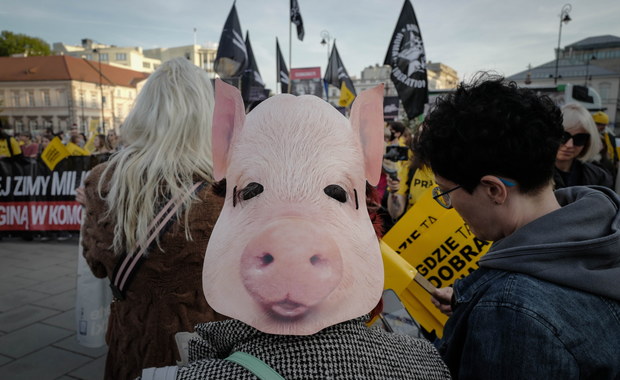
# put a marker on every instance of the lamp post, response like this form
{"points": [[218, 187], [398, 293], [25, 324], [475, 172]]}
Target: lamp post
{"points": [[101, 89], [325, 40], [592, 57], [564, 18]]}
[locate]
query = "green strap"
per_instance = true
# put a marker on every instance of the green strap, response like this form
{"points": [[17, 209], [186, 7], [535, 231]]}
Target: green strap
{"points": [[254, 365]]}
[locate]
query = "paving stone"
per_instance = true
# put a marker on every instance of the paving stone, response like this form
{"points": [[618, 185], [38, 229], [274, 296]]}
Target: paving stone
{"points": [[55, 286], [46, 364], [10, 284], [4, 360], [13, 300], [47, 274], [23, 316], [91, 371], [65, 320], [63, 302], [71, 344], [29, 339]]}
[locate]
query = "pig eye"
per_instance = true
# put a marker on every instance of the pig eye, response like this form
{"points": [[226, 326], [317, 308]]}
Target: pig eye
{"points": [[248, 192], [336, 192]]}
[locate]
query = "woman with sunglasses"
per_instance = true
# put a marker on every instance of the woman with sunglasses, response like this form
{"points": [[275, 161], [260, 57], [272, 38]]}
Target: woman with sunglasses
{"points": [[575, 163]]}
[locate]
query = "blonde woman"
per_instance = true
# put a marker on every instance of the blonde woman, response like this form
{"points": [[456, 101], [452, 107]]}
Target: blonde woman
{"points": [[580, 147], [168, 137]]}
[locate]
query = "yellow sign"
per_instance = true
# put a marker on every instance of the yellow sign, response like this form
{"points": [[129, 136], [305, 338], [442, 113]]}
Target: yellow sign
{"points": [[400, 277], [346, 96], [76, 150], [90, 144], [92, 127], [439, 245], [54, 153]]}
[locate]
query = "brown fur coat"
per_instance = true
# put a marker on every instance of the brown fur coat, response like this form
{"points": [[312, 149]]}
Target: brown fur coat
{"points": [[165, 296]]}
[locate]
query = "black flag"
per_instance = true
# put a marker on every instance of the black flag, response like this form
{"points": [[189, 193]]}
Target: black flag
{"points": [[281, 70], [232, 58], [252, 85], [336, 75], [296, 19], [408, 60]]}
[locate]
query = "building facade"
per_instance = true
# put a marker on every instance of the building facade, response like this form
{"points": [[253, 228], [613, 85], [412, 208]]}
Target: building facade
{"points": [[592, 62], [59, 92], [137, 59], [131, 58]]}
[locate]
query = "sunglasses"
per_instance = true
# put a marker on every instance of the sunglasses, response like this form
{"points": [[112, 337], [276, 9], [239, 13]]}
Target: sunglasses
{"points": [[580, 139]]}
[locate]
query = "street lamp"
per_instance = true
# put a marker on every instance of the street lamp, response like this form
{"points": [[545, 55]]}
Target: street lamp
{"points": [[101, 89], [591, 58], [564, 18], [325, 39]]}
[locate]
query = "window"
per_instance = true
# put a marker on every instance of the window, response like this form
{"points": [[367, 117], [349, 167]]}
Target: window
{"points": [[82, 98], [146, 65], [2, 103], [89, 57], [30, 98], [62, 99], [604, 90], [93, 99], [121, 56], [46, 98], [103, 56], [16, 101]]}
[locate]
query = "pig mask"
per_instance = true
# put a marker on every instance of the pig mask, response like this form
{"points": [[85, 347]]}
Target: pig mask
{"points": [[293, 250]]}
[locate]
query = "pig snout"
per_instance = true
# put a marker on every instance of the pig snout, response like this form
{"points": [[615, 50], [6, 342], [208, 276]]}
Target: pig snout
{"points": [[290, 267]]}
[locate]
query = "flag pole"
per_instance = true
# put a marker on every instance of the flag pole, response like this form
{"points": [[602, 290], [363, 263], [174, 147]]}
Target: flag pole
{"points": [[290, 44]]}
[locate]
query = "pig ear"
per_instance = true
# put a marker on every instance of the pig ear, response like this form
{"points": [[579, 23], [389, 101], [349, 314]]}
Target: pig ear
{"points": [[228, 116], [367, 118]]}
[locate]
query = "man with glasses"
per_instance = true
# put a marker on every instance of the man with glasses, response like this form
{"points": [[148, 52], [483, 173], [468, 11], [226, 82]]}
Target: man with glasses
{"points": [[545, 302]]}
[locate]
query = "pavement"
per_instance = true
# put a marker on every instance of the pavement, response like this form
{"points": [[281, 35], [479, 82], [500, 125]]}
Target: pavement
{"points": [[37, 313]]}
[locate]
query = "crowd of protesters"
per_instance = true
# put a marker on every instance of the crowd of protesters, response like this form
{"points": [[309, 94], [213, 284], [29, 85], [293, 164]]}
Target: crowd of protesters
{"points": [[519, 170]]}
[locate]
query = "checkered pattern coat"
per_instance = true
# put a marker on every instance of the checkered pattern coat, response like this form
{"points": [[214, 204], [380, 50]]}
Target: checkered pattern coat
{"points": [[348, 350]]}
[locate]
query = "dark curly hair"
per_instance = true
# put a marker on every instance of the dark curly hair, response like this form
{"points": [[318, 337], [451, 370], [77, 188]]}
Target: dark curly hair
{"points": [[492, 127]]}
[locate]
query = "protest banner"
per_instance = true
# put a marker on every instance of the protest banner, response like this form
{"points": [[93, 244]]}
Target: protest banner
{"points": [[438, 244], [34, 198]]}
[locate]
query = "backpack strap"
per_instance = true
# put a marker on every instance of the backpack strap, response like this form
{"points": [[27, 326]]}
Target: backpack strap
{"points": [[253, 364], [128, 264]]}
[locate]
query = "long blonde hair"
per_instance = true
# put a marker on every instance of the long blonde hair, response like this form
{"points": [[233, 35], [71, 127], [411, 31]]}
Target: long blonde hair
{"points": [[168, 137]]}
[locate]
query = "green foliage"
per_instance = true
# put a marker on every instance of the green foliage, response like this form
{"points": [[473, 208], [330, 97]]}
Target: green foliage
{"points": [[11, 43]]}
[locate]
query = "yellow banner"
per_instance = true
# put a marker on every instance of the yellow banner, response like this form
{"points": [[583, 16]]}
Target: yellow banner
{"points": [[54, 153], [346, 96], [76, 150], [439, 245], [90, 144], [92, 127]]}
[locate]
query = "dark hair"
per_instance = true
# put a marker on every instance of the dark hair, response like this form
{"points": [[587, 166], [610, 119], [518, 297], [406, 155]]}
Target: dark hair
{"points": [[397, 126], [492, 127]]}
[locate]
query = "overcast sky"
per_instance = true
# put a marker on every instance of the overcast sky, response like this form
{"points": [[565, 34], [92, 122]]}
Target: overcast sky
{"points": [[468, 35]]}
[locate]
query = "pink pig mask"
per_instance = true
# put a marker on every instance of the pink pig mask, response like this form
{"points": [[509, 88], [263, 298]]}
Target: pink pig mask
{"points": [[294, 250]]}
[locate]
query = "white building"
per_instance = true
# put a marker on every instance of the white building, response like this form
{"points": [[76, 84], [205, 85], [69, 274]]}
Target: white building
{"points": [[59, 91]]}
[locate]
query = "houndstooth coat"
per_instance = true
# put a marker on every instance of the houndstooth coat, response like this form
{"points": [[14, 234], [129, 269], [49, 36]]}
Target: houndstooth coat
{"points": [[349, 350]]}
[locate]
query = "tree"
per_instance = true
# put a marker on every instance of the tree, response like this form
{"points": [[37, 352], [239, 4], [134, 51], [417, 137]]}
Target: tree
{"points": [[11, 43]]}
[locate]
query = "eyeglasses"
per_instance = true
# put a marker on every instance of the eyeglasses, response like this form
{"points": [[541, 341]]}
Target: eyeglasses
{"points": [[444, 198], [580, 139]]}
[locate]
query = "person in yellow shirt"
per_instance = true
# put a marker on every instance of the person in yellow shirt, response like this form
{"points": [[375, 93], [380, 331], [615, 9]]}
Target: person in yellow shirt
{"points": [[9, 147]]}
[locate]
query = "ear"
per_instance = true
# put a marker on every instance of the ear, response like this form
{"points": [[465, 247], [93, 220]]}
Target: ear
{"points": [[367, 119], [228, 117], [496, 190]]}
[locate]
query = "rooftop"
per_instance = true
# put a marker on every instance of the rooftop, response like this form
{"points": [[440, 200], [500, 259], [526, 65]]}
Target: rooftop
{"points": [[64, 67]]}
